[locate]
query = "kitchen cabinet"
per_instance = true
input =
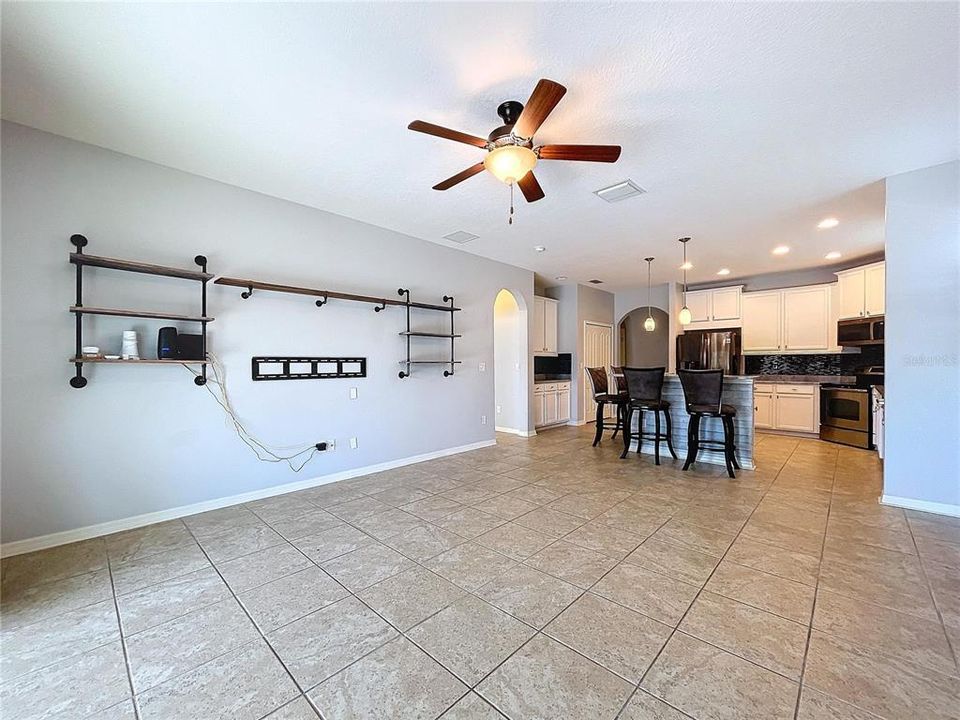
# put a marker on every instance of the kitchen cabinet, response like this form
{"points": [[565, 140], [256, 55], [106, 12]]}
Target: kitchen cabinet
{"points": [[719, 307], [786, 407], [862, 291], [551, 403], [806, 318], [763, 406], [794, 320], [762, 321], [544, 340]]}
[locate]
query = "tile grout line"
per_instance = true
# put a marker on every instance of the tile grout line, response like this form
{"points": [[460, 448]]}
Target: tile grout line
{"points": [[123, 639], [816, 592], [676, 628]]}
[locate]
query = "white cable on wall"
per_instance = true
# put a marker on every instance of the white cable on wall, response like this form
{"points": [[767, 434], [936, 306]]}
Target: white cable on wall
{"points": [[223, 400]]}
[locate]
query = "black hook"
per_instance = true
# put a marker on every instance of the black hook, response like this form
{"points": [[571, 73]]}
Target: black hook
{"points": [[448, 298], [247, 293], [381, 306], [321, 303]]}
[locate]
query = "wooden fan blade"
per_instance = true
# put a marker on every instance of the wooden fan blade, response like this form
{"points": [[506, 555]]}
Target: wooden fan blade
{"points": [[589, 153], [446, 133], [543, 100], [459, 177], [530, 187]]}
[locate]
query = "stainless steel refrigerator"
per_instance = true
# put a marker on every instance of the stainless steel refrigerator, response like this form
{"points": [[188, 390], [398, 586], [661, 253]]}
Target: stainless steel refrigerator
{"points": [[710, 350]]}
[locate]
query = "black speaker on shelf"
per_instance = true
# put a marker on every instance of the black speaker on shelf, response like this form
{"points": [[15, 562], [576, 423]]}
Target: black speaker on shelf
{"points": [[167, 343]]}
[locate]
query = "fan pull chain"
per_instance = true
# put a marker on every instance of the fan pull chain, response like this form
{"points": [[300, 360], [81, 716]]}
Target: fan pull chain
{"points": [[510, 221]]}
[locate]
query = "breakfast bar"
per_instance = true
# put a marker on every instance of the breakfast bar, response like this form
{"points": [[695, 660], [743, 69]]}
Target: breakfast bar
{"points": [[737, 391]]}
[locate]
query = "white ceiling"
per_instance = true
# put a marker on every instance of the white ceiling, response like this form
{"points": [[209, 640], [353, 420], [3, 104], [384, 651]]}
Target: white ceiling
{"points": [[746, 123]]}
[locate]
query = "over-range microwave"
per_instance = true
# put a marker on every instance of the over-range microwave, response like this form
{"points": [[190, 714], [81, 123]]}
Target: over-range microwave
{"points": [[860, 331]]}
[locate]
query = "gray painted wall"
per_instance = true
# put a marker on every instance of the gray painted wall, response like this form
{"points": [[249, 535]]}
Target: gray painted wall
{"points": [[640, 348], [144, 439], [922, 459]]}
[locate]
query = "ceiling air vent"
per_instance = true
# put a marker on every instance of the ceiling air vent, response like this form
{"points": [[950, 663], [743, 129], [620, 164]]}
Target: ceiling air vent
{"points": [[460, 237], [595, 282], [620, 191]]}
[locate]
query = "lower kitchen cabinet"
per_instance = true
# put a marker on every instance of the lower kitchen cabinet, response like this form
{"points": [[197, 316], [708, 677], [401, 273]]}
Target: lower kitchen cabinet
{"points": [[551, 403], [786, 407]]}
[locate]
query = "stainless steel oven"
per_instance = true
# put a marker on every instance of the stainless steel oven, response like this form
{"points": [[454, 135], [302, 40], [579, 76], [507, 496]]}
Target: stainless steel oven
{"points": [[845, 415]]}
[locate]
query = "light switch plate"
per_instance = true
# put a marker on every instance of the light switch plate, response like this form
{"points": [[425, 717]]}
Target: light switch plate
{"points": [[353, 393], [353, 443], [483, 367]]}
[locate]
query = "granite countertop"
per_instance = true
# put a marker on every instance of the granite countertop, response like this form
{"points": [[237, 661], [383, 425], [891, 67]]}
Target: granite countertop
{"points": [[555, 379], [800, 379]]}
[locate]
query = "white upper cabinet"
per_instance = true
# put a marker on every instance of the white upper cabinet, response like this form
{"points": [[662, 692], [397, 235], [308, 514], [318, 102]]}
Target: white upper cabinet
{"points": [[699, 304], [715, 308], [875, 288], [789, 321], [862, 291], [806, 318], [544, 341], [726, 303], [762, 312]]}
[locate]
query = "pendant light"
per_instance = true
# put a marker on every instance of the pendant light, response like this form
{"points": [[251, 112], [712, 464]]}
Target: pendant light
{"points": [[685, 316], [649, 324]]}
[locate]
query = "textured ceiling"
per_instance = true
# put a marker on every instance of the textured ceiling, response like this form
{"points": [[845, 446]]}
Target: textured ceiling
{"points": [[746, 123]]}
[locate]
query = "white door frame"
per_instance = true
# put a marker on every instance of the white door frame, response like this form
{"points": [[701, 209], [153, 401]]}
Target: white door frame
{"points": [[586, 397]]}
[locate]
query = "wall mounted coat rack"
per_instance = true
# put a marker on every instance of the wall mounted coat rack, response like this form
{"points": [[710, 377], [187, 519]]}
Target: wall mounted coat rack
{"points": [[379, 304]]}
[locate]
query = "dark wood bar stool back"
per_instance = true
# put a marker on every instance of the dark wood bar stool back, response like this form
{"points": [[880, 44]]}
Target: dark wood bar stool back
{"points": [[703, 393], [645, 390], [603, 397]]}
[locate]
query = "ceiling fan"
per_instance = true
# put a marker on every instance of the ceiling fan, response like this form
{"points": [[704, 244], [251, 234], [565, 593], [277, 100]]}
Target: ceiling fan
{"points": [[511, 154]]}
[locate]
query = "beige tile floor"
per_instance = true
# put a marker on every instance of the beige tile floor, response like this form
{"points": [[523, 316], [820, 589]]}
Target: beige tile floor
{"points": [[541, 578]]}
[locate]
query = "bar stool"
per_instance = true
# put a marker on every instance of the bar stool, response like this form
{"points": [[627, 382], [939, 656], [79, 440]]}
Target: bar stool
{"points": [[603, 397], [645, 390], [702, 391]]}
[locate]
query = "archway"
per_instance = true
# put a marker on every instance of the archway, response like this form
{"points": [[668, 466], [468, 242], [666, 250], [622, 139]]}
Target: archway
{"points": [[640, 348], [509, 363]]}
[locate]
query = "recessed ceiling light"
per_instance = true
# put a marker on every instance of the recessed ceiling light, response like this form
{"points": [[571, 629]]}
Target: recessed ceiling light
{"points": [[540, 248], [561, 277], [723, 271], [687, 266], [781, 250], [827, 223], [832, 255]]}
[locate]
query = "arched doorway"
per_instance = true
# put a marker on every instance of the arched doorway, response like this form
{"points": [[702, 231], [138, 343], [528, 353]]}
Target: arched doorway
{"points": [[640, 348], [510, 365]]}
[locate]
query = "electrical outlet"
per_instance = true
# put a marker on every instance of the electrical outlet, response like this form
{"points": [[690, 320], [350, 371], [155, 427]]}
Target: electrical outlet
{"points": [[499, 409], [483, 419], [353, 443], [353, 393], [321, 446], [483, 367]]}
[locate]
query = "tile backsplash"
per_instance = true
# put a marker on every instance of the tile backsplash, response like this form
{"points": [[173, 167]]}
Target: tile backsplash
{"points": [[838, 364]]}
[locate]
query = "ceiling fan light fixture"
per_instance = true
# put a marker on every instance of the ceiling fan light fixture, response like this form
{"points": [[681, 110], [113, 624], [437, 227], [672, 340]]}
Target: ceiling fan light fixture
{"points": [[510, 163]]}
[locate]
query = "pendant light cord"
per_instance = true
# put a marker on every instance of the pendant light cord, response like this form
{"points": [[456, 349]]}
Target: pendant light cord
{"points": [[510, 221]]}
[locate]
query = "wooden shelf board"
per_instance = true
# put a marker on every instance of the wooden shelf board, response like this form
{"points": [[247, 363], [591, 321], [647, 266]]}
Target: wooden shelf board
{"points": [[430, 362], [430, 335], [329, 294], [138, 267], [119, 312], [138, 362]]}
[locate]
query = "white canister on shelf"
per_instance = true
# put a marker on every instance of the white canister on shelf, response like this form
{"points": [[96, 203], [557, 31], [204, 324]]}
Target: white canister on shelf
{"points": [[129, 350]]}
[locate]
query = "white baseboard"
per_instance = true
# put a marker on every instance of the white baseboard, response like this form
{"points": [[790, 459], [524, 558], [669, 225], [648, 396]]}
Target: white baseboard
{"points": [[922, 505], [43, 542], [514, 431]]}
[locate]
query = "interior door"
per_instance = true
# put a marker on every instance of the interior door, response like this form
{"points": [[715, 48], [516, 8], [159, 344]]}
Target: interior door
{"points": [[597, 352]]}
